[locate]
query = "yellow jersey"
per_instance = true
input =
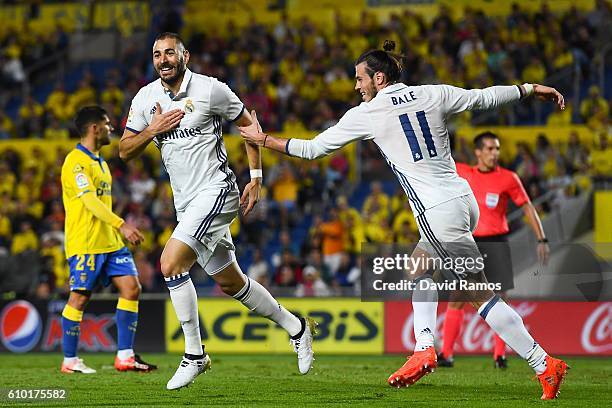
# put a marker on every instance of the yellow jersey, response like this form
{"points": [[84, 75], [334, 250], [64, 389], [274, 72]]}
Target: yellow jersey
{"points": [[83, 172]]}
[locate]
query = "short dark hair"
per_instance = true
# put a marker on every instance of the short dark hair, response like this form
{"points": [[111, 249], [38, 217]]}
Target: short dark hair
{"points": [[87, 116], [479, 139], [382, 61], [168, 34]]}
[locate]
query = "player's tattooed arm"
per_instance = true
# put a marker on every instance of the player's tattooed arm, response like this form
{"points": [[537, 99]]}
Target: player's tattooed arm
{"points": [[132, 144]]}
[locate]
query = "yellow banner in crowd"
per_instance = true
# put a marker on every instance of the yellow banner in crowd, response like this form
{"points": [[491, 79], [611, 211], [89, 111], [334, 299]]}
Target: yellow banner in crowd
{"points": [[346, 326]]}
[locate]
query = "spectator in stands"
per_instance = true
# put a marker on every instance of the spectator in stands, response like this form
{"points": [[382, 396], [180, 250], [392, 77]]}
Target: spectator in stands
{"points": [[601, 159], [525, 164], [332, 239], [7, 179], [593, 105], [285, 191], [258, 269], [576, 154], [25, 239], [146, 272], [7, 128], [285, 277], [141, 185], [30, 118], [112, 97], [5, 228], [54, 131], [313, 285], [377, 203], [287, 250], [57, 103]]}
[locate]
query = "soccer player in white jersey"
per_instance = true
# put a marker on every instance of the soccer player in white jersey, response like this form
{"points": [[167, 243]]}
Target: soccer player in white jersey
{"points": [[181, 112], [408, 124]]}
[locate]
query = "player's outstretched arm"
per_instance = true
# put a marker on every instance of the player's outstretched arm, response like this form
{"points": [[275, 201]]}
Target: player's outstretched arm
{"points": [[102, 212], [546, 93], [132, 144], [352, 126], [456, 100]]}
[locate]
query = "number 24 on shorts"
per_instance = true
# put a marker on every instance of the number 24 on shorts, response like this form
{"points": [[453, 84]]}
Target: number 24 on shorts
{"points": [[86, 260]]}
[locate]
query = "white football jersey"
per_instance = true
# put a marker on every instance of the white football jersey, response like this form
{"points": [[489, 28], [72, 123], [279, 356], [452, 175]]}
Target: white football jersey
{"points": [[193, 153], [408, 124]]}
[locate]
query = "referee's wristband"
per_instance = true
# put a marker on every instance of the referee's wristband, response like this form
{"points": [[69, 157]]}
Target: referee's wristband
{"points": [[256, 173], [543, 241]]}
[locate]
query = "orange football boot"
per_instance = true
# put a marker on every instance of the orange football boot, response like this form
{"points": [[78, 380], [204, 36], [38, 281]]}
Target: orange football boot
{"points": [[134, 363], [552, 378], [418, 365]]}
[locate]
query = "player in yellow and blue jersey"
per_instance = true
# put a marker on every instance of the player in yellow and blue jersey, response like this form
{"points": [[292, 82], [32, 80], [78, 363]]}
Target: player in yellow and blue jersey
{"points": [[95, 249]]}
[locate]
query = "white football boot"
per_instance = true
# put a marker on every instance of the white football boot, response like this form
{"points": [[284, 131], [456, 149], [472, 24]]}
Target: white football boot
{"points": [[187, 371], [76, 366], [303, 345]]}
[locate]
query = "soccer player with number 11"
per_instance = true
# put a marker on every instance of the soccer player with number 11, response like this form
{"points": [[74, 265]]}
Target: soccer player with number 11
{"points": [[408, 124]]}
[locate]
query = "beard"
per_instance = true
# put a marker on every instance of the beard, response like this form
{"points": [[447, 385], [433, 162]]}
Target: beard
{"points": [[371, 93], [180, 70], [104, 140]]}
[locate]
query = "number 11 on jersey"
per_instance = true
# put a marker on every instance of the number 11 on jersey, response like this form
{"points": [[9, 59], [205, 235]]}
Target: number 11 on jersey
{"points": [[415, 148]]}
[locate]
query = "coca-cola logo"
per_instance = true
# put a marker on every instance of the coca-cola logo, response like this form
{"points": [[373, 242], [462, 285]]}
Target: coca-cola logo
{"points": [[597, 330]]}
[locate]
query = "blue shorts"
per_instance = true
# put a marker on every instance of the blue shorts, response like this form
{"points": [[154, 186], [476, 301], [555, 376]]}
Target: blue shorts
{"points": [[89, 269]]}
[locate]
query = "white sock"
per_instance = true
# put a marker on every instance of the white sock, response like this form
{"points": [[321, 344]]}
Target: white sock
{"points": [[509, 326], [125, 354], [185, 302], [68, 360], [425, 305], [259, 300]]}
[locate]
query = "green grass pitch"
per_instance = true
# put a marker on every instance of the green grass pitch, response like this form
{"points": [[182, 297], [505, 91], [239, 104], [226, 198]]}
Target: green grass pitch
{"points": [[272, 380]]}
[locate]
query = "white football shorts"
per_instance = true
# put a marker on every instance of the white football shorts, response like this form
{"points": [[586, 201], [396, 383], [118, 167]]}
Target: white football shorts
{"points": [[446, 233], [204, 226]]}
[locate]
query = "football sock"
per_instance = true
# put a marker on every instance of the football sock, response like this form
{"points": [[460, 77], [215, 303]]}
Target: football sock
{"points": [[126, 318], [509, 326], [71, 329], [185, 301], [425, 305], [451, 329], [500, 347], [259, 300]]}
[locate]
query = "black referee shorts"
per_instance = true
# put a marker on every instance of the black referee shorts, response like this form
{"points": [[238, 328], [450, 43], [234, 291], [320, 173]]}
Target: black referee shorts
{"points": [[497, 260]]}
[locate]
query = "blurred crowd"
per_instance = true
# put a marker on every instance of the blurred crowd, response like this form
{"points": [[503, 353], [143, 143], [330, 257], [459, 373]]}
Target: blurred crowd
{"points": [[304, 236]]}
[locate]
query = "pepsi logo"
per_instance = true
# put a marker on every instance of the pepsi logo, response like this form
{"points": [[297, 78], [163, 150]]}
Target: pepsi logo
{"points": [[20, 326]]}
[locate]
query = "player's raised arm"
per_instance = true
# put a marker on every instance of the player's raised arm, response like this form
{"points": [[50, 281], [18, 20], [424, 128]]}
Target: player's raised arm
{"points": [[132, 142], [456, 100], [354, 125]]}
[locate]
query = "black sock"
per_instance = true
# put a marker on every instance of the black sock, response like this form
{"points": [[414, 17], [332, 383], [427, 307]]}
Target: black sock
{"points": [[297, 336]]}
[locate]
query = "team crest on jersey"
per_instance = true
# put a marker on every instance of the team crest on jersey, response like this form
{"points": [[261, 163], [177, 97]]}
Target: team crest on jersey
{"points": [[153, 109], [189, 108]]}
